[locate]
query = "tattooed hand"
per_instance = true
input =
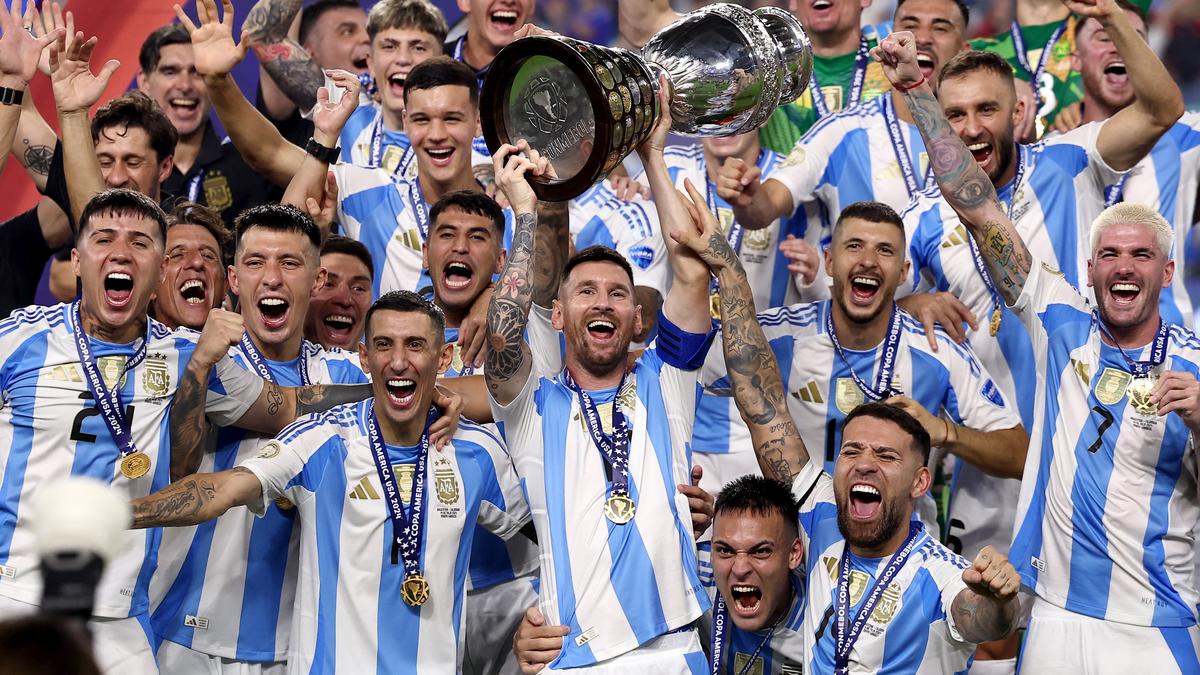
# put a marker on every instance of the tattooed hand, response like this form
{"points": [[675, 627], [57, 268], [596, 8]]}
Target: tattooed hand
{"points": [[898, 56], [705, 238]]}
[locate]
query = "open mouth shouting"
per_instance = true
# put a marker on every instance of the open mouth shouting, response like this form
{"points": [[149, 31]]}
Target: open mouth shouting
{"points": [[402, 392], [193, 292], [865, 501], [274, 312], [822, 5], [1115, 74], [395, 83], [982, 151], [504, 20], [601, 330], [440, 156], [1124, 293], [118, 288], [457, 275], [926, 63], [863, 289], [338, 326], [746, 600]]}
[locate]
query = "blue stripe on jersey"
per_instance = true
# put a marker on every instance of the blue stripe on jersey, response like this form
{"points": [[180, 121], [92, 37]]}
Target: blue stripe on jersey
{"points": [[31, 351], [905, 642], [328, 530], [1179, 641], [1057, 199], [365, 204], [848, 171], [595, 233]]}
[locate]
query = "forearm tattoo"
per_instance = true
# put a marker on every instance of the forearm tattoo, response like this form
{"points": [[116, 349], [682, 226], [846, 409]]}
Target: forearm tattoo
{"points": [[982, 619], [286, 61], [180, 503], [188, 424], [321, 397], [509, 310]]}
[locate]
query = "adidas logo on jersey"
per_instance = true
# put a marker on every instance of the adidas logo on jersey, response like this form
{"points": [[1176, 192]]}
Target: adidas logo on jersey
{"points": [[809, 393], [193, 621], [957, 237], [364, 490], [410, 238], [8, 572]]}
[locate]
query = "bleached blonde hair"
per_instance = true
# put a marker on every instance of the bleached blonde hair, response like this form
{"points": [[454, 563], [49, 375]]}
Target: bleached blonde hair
{"points": [[1130, 213]]}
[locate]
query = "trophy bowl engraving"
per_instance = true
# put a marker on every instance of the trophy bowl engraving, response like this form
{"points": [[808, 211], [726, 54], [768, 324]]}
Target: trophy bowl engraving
{"points": [[586, 107]]}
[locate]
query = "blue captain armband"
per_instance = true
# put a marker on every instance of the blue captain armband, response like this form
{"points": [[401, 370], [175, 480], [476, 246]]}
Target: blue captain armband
{"points": [[679, 348]]}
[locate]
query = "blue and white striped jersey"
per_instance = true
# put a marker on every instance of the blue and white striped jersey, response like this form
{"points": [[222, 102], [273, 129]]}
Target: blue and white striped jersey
{"points": [[1108, 498], [766, 267], [50, 428], [911, 629], [849, 157], [1168, 179], [358, 136], [599, 217], [382, 213], [227, 587], [615, 586], [349, 615], [493, 560], [1061, 191], [783, 654]]}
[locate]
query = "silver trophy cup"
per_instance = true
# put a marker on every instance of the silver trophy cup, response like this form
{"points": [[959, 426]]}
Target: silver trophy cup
{"points": [[586, 107]]}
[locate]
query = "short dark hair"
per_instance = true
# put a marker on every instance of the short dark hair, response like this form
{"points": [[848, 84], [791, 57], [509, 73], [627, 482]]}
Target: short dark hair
{"points": [[598, 253], [441, 71], [336, 243], [124, 203], [136, 110], [309, 16], [473, 202], [872, 212], [407, 301], [760, 496], [191, 213], [965, 63], [962, 8], [421, 15], [163, 36], [278, 217], [896, 415], [1123, 4]]}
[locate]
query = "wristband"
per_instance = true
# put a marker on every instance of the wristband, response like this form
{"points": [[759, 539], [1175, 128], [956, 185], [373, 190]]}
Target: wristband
{"points": [[322, 153], [11, 96], [904, 90]]}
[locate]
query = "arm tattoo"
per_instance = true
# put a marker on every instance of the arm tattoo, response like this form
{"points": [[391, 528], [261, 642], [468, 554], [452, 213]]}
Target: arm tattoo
{"points": [[286, 61], [753, 371], [188, 424], [181, 503], [321, 397], [981, 618], [274, 398], [970, 192], [508, 312], [37, 159]]}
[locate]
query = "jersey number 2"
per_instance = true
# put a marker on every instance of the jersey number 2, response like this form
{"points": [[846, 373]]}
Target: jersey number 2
{"points": [[77, 433]]}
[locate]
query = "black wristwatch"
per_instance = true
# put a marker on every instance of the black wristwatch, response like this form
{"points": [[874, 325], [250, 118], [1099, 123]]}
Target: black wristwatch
{"points": [[326, 155]]}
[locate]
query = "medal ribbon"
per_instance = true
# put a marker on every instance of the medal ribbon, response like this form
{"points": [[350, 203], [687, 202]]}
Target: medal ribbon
{"points": [[376, 158], [420, 210], [736, 233], [259, 362], [900, 146], [615, 450], [108, 401], [1035, 74], [1115, 193], [1158, 349], [861, 59], [406, 530], [887, 362], [846, 639], [193, 187]]}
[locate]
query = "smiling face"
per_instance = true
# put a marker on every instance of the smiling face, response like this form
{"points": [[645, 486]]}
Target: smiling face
{"points": [[829, 17], [753, 556], [866, 262], [339, 40], [127, 160], [274, 273], [194, 279], [983, 109], [177, 88], [403, 353], [464, 250], [1103, 69], [495, 21], [119, 261], [878, 477], [596, 310], [938, 28], [440, 122], [1128, 273], [393, 54], [337, 309]]}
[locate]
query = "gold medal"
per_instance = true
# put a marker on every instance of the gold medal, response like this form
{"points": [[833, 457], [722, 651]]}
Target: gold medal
{"points": [[414, 590], [619, 508], [135, 465], [1139, 395], [714, 306], [994, 325], [284, 503]]}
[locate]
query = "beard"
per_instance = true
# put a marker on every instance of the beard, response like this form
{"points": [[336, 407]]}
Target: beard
{"points": [[869, 535]]}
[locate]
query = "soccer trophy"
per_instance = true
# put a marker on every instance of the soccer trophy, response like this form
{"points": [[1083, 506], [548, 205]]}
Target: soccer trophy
{"points": [[585, 107]]}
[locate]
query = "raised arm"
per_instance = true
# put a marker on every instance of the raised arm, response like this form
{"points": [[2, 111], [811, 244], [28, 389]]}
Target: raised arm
{"points": [[19, 54], [690, 276], [33, 145], [508, 358], [964, 185], [1130, 134], [756, 204], [753, 371], [197, 498], [216, 54], [291, 67]]}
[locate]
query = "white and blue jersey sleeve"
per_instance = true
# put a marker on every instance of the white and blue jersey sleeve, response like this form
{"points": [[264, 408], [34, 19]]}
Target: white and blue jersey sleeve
{"points": [[1108, 497], [600, 218]]}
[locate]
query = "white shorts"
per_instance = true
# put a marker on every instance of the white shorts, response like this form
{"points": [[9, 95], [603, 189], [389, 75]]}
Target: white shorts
{"points": [[670, 654], [120, 646], [175, 659], [1059, 641], [491, 616]]}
